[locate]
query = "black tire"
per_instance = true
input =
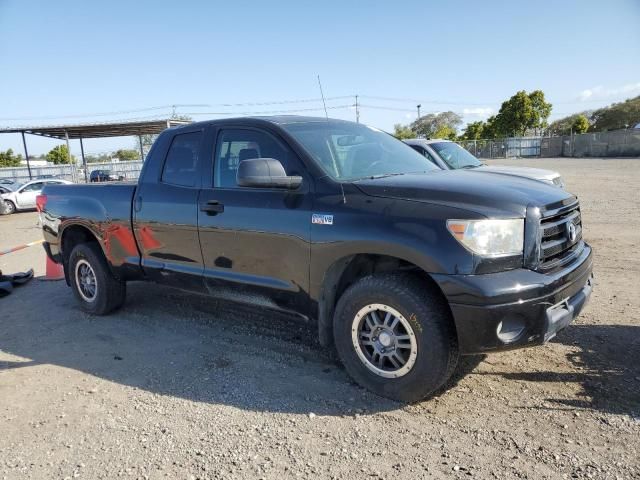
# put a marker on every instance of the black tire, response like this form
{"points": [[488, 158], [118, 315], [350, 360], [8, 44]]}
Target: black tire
{"points": [[8, 208], [110, 292], [428, 316]]}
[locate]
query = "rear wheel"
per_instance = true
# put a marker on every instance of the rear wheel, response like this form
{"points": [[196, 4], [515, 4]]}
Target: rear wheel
{"points": [[395, 337], [92, 282]]}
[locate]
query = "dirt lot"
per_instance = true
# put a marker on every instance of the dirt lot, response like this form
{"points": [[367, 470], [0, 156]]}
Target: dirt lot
{"points": [[176, 386]]}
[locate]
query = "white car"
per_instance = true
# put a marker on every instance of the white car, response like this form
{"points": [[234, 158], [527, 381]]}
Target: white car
{"points": [[23, 197], [449, 155]]}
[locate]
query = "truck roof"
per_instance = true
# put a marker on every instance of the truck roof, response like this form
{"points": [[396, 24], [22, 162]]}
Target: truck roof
{"points": [[275, 119]]}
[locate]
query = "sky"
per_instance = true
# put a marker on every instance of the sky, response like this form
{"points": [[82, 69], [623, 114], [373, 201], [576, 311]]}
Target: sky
{"points": [[68, 62]]}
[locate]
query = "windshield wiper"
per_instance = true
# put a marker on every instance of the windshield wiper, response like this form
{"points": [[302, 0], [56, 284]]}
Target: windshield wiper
{"points": [[470, 166]]}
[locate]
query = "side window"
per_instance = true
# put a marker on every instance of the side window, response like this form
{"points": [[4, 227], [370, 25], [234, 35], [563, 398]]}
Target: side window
{"points": [[181, 165], [423, 151], [429, 157], [34, 187], [235, 145]]}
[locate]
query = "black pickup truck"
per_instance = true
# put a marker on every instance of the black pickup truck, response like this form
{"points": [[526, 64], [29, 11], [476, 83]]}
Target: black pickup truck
{"points": [[403, 266]]}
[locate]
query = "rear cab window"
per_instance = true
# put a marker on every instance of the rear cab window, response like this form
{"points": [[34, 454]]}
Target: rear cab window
{"points": [[181, 163]]}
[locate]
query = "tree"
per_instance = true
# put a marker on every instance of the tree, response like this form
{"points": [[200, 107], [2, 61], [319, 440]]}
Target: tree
{"points": [[616, 116], [521, 113], [489, 129], [127, 155], [446, 132], [541, 110], [8, 159], [403, 132], [564, 126], [474, 130], [432, 123], [580, 124], [60, 155]]}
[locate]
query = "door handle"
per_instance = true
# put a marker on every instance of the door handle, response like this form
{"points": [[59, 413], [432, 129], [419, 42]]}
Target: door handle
{"points": [[212, 207], [137, 205]]}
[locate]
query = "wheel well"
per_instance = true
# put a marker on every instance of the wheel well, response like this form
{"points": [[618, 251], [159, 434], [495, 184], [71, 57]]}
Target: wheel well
{"points": [[71, 237], [346, 271]]}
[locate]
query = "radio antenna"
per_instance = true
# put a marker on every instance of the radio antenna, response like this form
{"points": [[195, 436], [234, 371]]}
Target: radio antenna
{"points": [[322, 95]]}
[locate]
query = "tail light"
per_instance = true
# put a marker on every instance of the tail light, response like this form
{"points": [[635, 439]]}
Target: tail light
{"points": [[41, 202]]}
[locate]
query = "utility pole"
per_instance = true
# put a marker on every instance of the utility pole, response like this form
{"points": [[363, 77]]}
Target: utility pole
{"points": [[357, 110], [418, 107], [26, 155]]}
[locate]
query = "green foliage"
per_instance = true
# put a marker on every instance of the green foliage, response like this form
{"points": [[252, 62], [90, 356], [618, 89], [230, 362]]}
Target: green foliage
{"points": [[428, 125], [9, 159], [521, 113], [580, 124], [60, 155], [616, 116], [613, 117], [474, 130], [446, 132], [403, 132], [102, 158], [127, 155], [564, 126]]}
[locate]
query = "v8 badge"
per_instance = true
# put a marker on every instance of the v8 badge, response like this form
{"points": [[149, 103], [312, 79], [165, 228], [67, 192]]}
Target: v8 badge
{"points": [[322, 219]]}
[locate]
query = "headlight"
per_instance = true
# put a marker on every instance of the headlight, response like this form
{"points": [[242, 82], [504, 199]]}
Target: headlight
{"points": [[489, 238]]}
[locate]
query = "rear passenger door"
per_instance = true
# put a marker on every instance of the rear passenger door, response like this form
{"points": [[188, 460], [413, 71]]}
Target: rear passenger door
{"points": [[255, 244], [165, 209]]}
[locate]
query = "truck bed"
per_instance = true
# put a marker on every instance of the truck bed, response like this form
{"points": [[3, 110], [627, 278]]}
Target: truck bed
{"points": [[103, 209]]}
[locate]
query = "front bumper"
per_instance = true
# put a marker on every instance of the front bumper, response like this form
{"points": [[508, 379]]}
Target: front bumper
{"points": [[516, 308]]}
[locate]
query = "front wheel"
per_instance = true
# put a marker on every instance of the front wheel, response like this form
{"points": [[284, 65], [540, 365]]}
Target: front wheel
{"points": [[395, 336], [94, 286], [9, 208]]}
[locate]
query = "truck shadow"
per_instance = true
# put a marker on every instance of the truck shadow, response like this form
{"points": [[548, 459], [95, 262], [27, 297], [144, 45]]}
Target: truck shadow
{"points": [[607, 363], [190, 347]]}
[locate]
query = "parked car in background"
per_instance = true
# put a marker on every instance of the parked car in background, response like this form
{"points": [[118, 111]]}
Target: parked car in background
{"points": [[5, 189], [105, 176], [23, 197], [7, 181], [449, 155], [47, 176]]}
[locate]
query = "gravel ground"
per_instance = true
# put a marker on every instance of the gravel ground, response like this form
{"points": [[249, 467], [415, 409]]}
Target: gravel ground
{"points": [[177, 386]]}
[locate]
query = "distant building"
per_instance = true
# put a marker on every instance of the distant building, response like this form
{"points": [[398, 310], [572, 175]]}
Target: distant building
{"points": [[35, 163]]}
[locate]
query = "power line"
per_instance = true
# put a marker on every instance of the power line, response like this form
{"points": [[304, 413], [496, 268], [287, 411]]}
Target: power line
{"points": [[174, 106], [271, 112], [105, 114]]}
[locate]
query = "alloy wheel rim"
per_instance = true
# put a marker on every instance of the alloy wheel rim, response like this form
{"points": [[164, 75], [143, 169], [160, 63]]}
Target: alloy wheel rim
{"points": [[384, 340], [86, 281]]}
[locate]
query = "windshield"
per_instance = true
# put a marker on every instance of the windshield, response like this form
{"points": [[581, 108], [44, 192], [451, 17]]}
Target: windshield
{"points": [[454, 155], [350, 151]]}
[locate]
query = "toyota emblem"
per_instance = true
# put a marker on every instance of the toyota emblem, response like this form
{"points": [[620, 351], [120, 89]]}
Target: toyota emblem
{"points": [[572, 232]]}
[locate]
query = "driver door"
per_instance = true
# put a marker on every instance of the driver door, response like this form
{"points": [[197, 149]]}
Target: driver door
{"points": [[255, 241], [26, 197]]}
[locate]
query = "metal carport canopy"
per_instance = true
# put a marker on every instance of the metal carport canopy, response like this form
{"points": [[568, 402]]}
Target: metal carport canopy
{"points": [[95, 130], [98, 130]]}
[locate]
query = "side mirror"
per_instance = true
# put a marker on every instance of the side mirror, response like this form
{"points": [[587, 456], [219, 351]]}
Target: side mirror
{"points": [[265, 173]]}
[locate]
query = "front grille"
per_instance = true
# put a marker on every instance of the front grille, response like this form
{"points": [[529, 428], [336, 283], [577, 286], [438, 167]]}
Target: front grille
{"points": [[560, 236]]}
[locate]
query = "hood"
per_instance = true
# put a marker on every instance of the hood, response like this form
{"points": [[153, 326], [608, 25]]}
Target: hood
{"points": [[485, 193], [535, 173]]}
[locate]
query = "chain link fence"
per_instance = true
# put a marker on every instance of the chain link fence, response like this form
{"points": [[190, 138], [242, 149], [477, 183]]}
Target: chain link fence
{"points": [[620, 143], [73, 173]]}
